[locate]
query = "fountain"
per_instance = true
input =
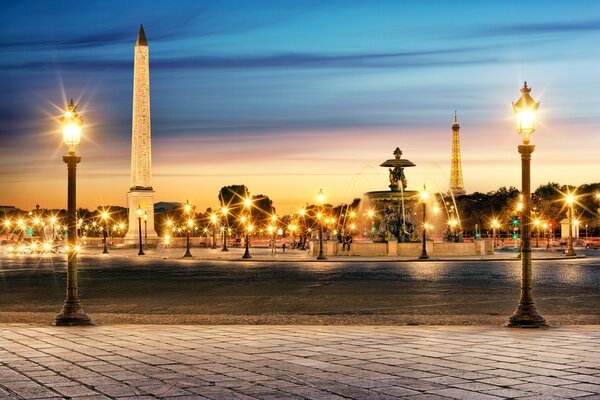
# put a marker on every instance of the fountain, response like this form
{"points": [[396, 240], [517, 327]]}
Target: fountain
{"points": [[394, 207]]}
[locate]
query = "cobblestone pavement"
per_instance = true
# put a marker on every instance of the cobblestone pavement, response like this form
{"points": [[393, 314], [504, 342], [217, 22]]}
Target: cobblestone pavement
{"points": [[298, 362]]}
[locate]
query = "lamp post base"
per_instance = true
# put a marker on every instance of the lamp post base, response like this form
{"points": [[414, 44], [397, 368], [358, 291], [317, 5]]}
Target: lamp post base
{"points": [[570, 253], [526, 316], [187, 254], [423, 256], [72, 314], [321, 257], [105, 251], [246, 255]]}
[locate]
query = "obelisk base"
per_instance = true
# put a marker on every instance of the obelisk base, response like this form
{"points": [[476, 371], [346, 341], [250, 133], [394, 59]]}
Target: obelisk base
{"points": [[144, 199]]}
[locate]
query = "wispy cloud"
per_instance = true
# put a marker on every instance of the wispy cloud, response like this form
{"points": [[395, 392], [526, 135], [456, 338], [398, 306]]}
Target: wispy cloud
{"points": [[400, 59], [538, 28]]}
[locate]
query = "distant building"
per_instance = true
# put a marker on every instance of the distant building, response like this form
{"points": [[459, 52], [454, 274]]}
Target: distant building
{"points": [[456, 179]]}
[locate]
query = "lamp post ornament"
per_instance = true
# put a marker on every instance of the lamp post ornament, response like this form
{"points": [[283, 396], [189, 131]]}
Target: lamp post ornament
{"points": [[72, 313], [526, 314]]}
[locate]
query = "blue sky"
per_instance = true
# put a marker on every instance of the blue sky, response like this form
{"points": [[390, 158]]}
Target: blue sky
{"points": [[288, 97]]}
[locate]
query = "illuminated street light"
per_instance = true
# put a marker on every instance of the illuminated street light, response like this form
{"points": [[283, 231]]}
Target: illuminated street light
{"points": [[224, 212], [526, 314], [249, 227], [570, 200], [424, 195], [72, 313], [140, 215], [187, 208], [320, 201], [105, 217], [495, 225]]}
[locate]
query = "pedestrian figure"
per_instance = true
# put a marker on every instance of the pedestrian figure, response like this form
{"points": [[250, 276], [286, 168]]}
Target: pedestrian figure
{"points": [[348, 241]]}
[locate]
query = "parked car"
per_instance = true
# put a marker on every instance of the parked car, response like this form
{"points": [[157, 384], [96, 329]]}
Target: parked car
{"points": [[593, 244]]}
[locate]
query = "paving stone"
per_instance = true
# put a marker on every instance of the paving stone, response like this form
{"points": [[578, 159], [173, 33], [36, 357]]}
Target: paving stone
{"points": [[292, 362]]}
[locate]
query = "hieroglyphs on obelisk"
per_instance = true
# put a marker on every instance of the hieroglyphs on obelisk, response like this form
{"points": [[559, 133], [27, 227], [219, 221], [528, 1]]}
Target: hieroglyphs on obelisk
{"points": [[141, 193]]}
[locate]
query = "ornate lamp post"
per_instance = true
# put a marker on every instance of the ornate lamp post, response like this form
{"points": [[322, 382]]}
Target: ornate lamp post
{"points": [[570, 199], [105, 218], [140, 215], [146, 229], [215, 220], [320, 201], [526, 314], [224, 212], [247, 205], [72, 313], [424, 195], [495, 225], [187, 208]]}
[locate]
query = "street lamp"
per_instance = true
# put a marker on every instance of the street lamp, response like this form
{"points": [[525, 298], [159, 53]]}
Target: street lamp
{"points": [[72, 313], [495, 225], [187, 208], [424, 195], [247, 205], [146, 229], [320, 201], [140, 215], [526, 314], [214, 219], [570, 199], [224, 212], [104, 215]]}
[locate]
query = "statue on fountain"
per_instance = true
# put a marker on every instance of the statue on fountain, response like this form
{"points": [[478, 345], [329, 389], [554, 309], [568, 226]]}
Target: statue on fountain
{"points": [[397, 174]]}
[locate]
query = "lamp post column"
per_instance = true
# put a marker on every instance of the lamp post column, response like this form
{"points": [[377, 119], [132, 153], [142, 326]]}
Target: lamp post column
{"points": [[224, 240], [424, 255], [188, 253], [570, 252], [526, 314], [72, 313], [247, 245], [141, 251]]}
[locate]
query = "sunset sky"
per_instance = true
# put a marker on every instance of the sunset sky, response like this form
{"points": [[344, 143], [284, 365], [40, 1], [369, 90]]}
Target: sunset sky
{"points": [[289, 97]]}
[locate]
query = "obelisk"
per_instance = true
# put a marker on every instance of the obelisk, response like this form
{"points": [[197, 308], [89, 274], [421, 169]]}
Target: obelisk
{"points": [[141, 193]]}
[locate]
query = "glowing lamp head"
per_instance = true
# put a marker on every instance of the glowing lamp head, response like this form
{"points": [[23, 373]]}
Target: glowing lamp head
{"points": [[224, 210], [371, 213], [71, 123], [190, 222], [247, 202], [53, 220], [424, 195], [104, 215], [187, 207], [145, 216], [243, 219], [139, 212], [570, 199], [169, 223], [273, 218], [352, 214], [320, 197], [250, 228], [525, 113], [303, 211]]}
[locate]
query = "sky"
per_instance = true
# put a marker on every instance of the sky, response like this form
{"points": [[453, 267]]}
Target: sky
{"points": [[288, 97]]}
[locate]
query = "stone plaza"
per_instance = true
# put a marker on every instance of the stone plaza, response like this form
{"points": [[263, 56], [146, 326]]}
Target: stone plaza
{"points": [[298, 362]]}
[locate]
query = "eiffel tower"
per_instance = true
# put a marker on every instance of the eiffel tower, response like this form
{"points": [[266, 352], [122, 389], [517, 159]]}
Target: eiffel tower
{"points": [[457, 186]]}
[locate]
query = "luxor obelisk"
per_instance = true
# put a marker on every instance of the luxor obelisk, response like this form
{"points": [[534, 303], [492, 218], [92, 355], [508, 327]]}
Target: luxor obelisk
{"points": [[141, 193]]}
